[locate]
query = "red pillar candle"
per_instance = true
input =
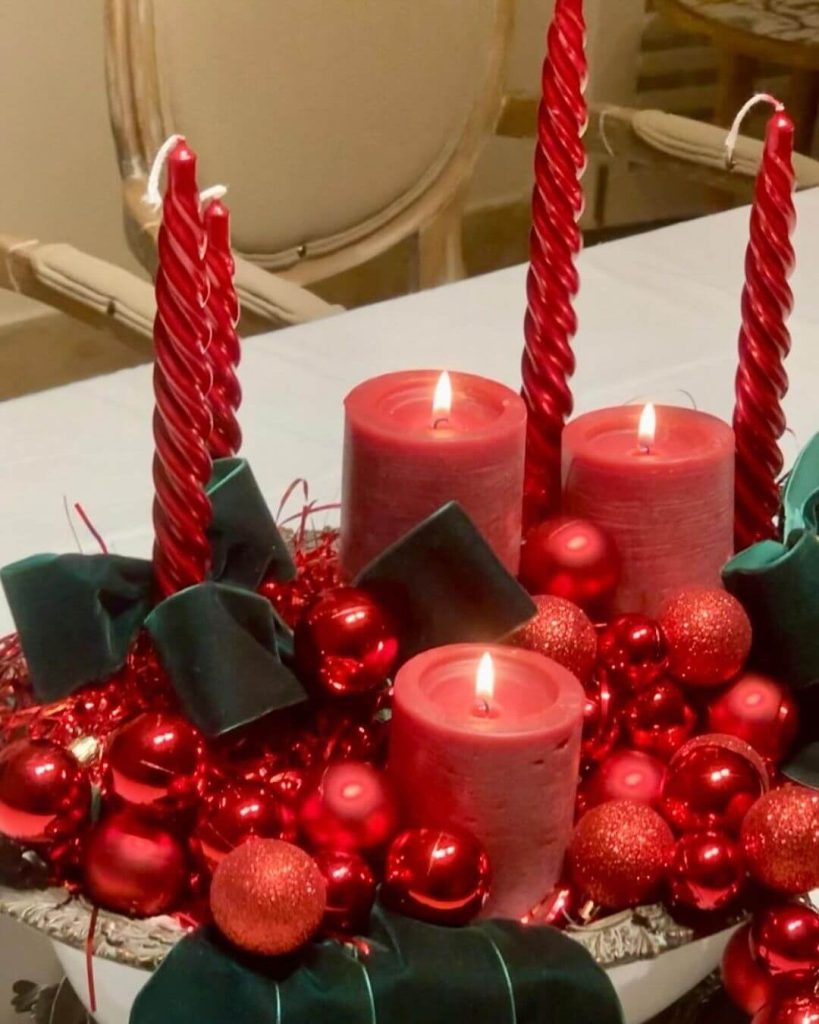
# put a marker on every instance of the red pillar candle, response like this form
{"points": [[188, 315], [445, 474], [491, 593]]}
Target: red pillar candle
{"points": [[493, 749], [666, 498], [407, 451]]}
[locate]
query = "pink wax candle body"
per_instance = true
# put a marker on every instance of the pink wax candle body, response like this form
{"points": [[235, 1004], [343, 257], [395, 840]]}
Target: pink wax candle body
{"points": [[667, 503], [504, 768], [402, 461]]}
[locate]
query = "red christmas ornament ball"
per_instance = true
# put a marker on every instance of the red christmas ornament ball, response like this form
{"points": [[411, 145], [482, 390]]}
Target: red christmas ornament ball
{"points": [[747, 983], [707, 872], [345, 643], [352, 808], [760, 711], [156, 761], [780, 836], [619, 853], [45, 793], [268, 897], [708, 635], [134, 865], [436, 875], [633, 651], [601, 724], [795, 1008], [560, 631], [234, 814], [625, 775], [570, 558], [350, 891], [658, 719], [786, 940], [712, 782]]}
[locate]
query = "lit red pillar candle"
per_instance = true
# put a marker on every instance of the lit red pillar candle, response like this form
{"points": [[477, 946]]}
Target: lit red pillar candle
{"points": [[491, 745], [555, 242], [182, 419]]}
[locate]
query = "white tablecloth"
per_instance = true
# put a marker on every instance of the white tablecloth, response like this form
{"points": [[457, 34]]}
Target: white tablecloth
{"points": [[659, 315]]}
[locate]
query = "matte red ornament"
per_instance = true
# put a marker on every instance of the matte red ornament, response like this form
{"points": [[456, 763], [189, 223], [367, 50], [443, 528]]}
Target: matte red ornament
{"points": [[785, 940], [707, 872], [625, 775], [601, 726], [237, 813], [134, 865], [708, 634], [620, 853], [658, 719], [794, 1008], [345, 643], [633, 651], [747, 983], [352, 808], [436, 875], [780, 836], [45, 794], [760, 711], [572, 559], [350, 891], [712, 782], [563, 632], [268, 897], [156, 761]]}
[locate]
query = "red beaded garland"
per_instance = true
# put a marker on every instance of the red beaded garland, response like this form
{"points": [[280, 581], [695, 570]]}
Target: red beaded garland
{"points": [[237, 813], [45, 794], [352, 808], [633, 651], [708, 635], [350, 890], [760, 711], [556, 909], [707, 872], [780, 836], [658, 719], [745, 980], [786, 940]]}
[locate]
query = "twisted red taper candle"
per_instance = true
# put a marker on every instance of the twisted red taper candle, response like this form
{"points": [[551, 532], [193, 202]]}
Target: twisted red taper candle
{"points": [[764, 340], [182, 377], [555, 241], [224, 352]]}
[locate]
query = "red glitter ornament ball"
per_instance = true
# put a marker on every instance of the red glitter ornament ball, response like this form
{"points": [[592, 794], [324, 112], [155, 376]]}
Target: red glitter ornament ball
{"points": [[345, 643], [563, 632], [436, 875], [350, 891], [601, 724], [712, 782], [352, 808], [155, 761], [780, 836], [658, 719], [794, 1008], [133, 865], [45, 794], [632, 649], [625, 775], [708, 635], [786, 940], [268, 897], [235, 814], [620, 853], [707, 872], [573, 559], [760, 711], [747, 983]]}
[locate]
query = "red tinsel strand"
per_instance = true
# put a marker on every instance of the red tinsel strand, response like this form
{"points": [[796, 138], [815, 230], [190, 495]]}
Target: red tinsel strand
{"points": [[224, 352], [182, 420], [764, 342], [555, 242]]}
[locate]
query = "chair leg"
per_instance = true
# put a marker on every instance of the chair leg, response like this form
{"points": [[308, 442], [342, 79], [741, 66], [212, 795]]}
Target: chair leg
{"points": [[440, 247], [736, 85], [803, 104]]}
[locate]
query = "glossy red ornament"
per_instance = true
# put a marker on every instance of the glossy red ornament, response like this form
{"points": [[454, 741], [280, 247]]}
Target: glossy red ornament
{"points": [[658, 719], [155, 761], [236, 813], [785, 940], [619, 854], [556, 909], [268, 897], [560, 631], [570, 558], [707, 872], [625, 775], [345, 643], [747, 983], [760, 711], [350, 891], [793, 1008], [632, 649], [712, 782], [133, 865], [780, 836], [351, 808], [436, 875], [708, 634], [45, 794], [601, 725]]}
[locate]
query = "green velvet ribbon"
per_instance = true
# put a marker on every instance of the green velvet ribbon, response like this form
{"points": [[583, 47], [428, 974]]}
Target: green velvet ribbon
{"points": [[493, 972]]}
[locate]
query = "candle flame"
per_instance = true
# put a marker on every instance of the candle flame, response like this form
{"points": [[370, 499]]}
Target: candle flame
{"points": [[442, 399], [647, 428], [485, 681]]}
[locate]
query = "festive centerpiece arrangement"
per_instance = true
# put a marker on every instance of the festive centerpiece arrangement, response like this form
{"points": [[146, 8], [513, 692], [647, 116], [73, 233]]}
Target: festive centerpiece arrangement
{"points": [[544, 672]]}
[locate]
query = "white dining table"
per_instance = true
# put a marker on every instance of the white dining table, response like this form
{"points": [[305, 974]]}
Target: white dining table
{"points": [[659, 315]]}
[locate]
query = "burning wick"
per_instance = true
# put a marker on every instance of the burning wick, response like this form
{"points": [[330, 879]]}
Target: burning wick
{"points": [[484, 686], [442, 401], [647, 429]]}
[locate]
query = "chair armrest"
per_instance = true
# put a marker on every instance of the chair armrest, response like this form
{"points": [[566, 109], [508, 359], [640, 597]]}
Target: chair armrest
{"points": [[274, 300]]}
